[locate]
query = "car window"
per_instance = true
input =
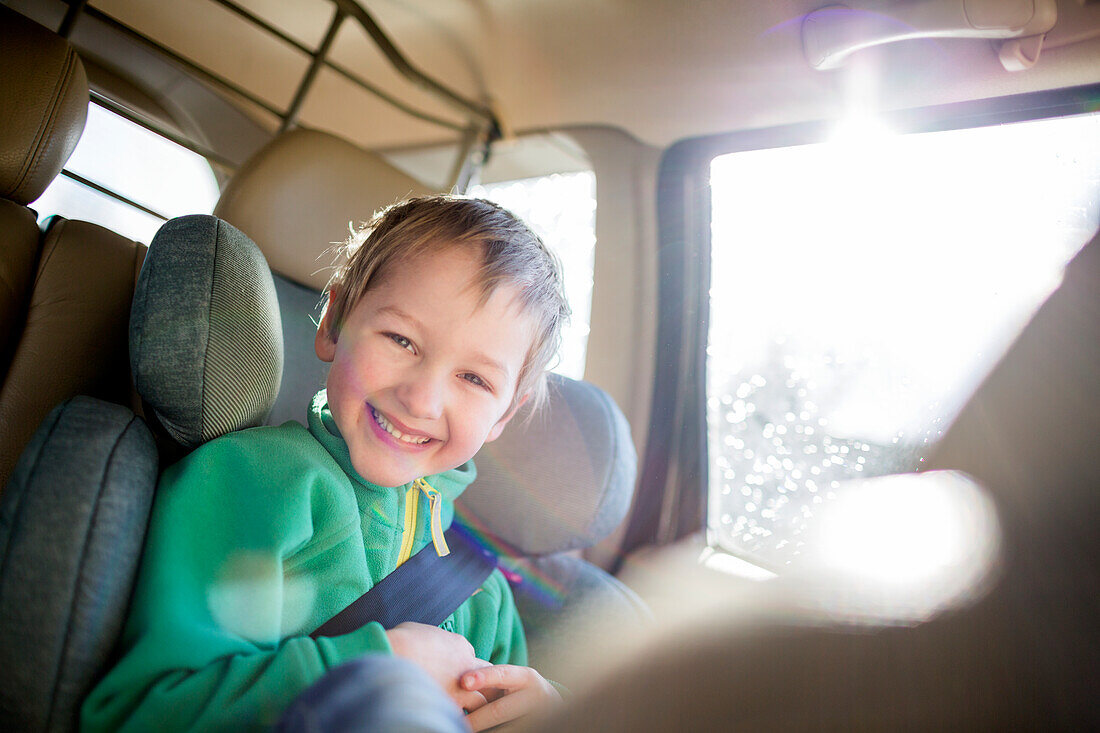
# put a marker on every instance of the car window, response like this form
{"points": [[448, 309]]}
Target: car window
{"points": [[163, 179], [860, 290], [561, 208]]}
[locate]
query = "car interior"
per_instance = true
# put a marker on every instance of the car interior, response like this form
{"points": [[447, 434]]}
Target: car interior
{"points": [[737, 509]]}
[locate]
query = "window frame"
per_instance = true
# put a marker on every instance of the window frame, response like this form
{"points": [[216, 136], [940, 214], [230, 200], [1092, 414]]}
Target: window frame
{"points": [[108, 190], [672, 492]]}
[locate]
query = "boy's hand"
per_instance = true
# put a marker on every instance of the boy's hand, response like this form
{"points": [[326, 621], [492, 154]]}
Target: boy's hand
{"points": [[443, 655], [513, 691]]}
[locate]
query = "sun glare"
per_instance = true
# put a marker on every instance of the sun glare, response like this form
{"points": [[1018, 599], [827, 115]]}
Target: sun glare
{"points": [[861, 289], [905, 546], [860, 131]]}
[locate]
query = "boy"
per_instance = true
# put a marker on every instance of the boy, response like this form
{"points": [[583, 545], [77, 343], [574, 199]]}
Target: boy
{"points": [[438, 327]]}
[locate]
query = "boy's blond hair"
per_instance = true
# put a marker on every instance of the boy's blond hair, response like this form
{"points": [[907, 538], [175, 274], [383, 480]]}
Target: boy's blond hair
{"points": [[511, 255]]}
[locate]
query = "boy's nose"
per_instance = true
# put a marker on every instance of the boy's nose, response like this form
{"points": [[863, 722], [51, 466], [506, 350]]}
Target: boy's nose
{"points": [[421, 394]]}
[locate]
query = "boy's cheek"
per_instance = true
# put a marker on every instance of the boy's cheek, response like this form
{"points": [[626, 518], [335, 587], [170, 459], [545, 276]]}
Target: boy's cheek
{"points": [[351, 378]]}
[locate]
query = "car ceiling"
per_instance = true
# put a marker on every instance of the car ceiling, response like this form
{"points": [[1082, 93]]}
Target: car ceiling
{"points": [[659, 69]]}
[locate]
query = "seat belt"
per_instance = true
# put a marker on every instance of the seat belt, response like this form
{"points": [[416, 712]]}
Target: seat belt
{"points": [[426, 588]]}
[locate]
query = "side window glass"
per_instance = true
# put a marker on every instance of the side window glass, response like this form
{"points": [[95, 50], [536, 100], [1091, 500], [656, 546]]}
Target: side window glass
{"points": [[561, 208], [860, 292], [162, 178]]}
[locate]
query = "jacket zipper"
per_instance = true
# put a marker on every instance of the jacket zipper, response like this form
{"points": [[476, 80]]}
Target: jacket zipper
{"points": [[408, 534], [412, 503], [435, 501]]}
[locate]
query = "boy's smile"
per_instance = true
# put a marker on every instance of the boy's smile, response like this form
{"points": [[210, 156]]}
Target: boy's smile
{"points": [[422, 373], [405, 436]]}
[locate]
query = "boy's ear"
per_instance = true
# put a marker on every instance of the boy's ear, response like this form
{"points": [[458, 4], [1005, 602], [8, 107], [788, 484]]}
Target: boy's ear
{"points": [[324, 343], [499, 427]]}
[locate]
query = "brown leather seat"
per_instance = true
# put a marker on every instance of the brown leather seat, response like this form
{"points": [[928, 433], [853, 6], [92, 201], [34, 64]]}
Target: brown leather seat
{"points": [[65, 292]]}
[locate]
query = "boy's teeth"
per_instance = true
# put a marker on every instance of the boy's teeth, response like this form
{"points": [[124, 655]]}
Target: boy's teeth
{"points": [[389, 428]]}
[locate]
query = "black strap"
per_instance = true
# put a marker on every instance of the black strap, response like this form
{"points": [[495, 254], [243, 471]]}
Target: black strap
{"points": [[426, 588]]}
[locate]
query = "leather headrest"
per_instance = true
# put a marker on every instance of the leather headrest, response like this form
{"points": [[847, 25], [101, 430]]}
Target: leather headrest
{"points": [[45, 93], [297, 196]]}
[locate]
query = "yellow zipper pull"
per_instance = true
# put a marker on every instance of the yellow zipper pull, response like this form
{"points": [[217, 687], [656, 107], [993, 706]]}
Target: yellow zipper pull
{"points": [[408, 534], [435, 500]]}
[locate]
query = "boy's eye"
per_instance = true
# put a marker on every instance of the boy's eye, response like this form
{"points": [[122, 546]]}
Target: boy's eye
{"points": [[477, 381], [401, 341]]}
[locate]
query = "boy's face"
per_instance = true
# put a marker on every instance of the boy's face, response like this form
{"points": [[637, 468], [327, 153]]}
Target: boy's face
{"points": [[422, 376]]}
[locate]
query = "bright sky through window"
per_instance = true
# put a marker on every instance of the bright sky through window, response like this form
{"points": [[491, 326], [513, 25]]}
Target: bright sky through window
{"points": [[860, 291], [560, 208], [137, 163]]}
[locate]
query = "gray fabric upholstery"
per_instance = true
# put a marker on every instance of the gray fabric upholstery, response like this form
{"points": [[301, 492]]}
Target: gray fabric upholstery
{"points": [[560, 598], [206, 345], [559, 481], [72, 523], [303, 372]]}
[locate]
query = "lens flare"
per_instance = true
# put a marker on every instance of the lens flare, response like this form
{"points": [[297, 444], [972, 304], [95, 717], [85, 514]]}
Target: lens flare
{"points": [[906, 546]]}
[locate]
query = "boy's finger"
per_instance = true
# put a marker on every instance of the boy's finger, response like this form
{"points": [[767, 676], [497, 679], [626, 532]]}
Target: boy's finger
{"points": [[471, 701], [500, 676], [502, 710]]}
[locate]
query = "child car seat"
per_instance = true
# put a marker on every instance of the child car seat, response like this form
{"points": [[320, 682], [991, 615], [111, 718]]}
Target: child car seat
{"points": [[206, 353]]}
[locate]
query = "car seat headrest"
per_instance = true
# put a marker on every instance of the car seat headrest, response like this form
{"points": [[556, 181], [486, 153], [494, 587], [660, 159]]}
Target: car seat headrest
{"points": [[206, 343], [46, 104], [297, 196], [561, 480]]}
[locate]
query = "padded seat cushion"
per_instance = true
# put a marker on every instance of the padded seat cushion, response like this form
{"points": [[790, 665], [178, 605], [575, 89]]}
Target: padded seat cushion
{"points": [[303, 372], [72, 524], [206, 342], [567, 493], [566, 604]]}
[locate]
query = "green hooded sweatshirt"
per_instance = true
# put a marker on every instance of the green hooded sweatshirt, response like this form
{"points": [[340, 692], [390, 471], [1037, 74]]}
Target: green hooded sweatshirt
{"points": [[255, 540]]}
